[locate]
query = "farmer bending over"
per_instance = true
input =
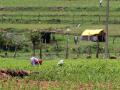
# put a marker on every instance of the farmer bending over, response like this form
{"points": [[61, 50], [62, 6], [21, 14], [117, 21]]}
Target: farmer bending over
{"points": [[36, 61]]}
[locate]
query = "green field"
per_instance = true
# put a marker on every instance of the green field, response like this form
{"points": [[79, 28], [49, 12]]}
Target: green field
{"points": [[19, 17], [45, 3], [73, 73], [58, 14]]}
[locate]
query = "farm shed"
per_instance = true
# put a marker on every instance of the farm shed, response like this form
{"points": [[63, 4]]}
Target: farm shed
{"points": [[48, 35], [93, 35]]}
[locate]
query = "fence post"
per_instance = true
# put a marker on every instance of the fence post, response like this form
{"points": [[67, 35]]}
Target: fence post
{"points": [[97, 49], [67, 47]]}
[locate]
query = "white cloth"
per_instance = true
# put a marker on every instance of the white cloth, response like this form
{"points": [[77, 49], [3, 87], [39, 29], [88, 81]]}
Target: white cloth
{"points": [[61, 62], [100, 1], [33, 59]]}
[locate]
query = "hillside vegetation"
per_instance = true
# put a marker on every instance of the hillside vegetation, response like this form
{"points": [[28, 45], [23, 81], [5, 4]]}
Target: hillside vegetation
{"points": [[58, 14]]}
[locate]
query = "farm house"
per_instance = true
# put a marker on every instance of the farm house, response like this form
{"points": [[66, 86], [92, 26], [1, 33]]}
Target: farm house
{"points": [[93, 35]]}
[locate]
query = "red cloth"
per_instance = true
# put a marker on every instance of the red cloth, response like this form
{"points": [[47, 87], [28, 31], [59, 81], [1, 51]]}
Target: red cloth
{"points": [[40, 62]]}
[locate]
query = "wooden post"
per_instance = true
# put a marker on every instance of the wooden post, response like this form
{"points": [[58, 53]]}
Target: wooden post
{"points": [[41, 52], [97, 49], [89, 51], [6, 53], [40, 45], [78, 52], [67, 44], [15, 52], [100, 6], [57, 51], [67, 47], [106, 31], [33, 49]]}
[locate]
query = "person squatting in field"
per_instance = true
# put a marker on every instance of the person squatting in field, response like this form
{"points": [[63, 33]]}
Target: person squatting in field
{"points": [[36, 61]]}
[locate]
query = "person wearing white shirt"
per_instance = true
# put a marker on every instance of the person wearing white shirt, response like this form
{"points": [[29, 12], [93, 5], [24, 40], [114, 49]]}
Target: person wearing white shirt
{"points": [[33, 60]]}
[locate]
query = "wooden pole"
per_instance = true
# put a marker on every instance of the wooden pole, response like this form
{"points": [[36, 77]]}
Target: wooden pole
{"points": [[33, 49], [15, 52], [40, 46], [41, 52], [67, 47], [97, 50], [106, 31]]}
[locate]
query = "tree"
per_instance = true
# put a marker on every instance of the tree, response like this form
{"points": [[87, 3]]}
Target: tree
{"points": [[17, 41], [7, 41], [34, 37]]}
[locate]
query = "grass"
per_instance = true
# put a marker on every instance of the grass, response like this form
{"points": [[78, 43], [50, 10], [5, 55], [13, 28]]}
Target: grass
{"points": [[76, 73], [113, 28], [71, 13], [74, 12], [79, 72], [41, 3], [44, 3]]}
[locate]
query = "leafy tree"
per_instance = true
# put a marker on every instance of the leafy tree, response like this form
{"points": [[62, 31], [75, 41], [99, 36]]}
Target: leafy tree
{"points": [[34, 37]]}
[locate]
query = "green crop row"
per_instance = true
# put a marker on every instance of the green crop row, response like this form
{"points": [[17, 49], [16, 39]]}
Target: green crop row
{"points": [[56, 19], [51, 8], [81, 70], [73, 73]]}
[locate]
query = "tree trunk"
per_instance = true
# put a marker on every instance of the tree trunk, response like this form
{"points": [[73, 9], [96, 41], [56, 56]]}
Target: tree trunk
{"points": [[40, 42], [33, 49]]}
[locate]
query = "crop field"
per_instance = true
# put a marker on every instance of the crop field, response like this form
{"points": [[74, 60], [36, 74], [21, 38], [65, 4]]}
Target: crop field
{"points": [[76, 74], [58, 14], [45, 3], [82, 70]]}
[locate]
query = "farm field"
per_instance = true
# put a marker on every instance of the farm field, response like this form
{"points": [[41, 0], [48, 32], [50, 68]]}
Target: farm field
{"points": [[73, 75], [58, 14], [26, 26], [28, 15], [113, 28], [52, 3]]}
